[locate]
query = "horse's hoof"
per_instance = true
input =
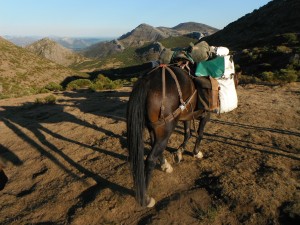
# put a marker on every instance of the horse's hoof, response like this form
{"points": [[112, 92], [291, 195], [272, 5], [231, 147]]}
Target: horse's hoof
{"points": [[177, 157], [199, 155], [151, 202], [166, 167]]}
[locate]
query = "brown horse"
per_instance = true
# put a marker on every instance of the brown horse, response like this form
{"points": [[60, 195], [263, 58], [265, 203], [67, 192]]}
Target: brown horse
{"points": [[158, 101]]}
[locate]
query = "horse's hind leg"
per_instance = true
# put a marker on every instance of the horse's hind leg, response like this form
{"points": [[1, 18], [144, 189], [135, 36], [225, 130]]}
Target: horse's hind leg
{"points": [[187, 135], [162, 135], [164, 164], [203, 120]]}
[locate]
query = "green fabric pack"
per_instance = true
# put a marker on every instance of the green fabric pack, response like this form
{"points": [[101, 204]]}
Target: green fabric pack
{"points": [[214, 67]]}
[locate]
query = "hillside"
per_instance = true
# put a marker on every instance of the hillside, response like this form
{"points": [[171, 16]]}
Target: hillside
{"points": [[142, 35], [103, 49], [254, 29], [53, 51], [24, 73], [265, 42]]}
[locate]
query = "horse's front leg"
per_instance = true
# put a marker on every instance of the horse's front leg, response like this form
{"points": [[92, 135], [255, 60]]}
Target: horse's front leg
{"points": [[187, 135], [203, 120]]}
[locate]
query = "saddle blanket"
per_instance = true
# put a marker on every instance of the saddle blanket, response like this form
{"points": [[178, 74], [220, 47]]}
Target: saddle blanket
{"points": [[221, 66]]}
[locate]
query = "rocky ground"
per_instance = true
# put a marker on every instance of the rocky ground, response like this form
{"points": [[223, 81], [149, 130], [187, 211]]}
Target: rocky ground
{"points": [[67, 163]]}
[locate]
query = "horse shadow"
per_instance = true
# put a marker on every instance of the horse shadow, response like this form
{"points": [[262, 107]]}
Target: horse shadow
{"points": [[32, 118], [6, 156], [241, 143]]}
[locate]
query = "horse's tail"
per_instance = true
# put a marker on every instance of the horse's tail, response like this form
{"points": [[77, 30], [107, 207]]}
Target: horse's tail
{"points": [[136, 112]]}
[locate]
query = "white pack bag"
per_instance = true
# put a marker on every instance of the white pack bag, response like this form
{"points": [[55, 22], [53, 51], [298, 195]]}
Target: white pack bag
{"points": [[227, 95]]}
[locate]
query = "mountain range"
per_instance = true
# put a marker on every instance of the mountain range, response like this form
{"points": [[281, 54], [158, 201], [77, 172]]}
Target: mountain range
{"points": [[73, 43], [265, 44], [144, 34]]}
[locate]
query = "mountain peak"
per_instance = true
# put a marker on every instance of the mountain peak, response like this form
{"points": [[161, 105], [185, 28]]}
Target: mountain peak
{"points": [[50, 49]]}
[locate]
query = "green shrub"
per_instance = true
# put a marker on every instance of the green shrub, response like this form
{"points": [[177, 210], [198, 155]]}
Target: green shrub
{"points": [[52, 86], [77, 84], [256, 50], [102, 78], [268, 76], [245, 51], [112, 85], [102, 82], [288, 75], [283, 49], [291, 38], [50, 99], [133, 80], [98, 85], [44, 90], [244, 79]]}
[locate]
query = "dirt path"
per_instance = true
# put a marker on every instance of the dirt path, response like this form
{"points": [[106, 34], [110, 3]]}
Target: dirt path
{"points": [[67, 163]]}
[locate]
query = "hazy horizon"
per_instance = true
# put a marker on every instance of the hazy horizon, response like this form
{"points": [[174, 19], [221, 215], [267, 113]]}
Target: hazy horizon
{"points": [[97, 18]]}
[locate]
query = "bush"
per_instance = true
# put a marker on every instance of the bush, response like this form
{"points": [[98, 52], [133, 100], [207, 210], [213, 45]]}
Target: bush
{"points": [[288, 75], [133, 80], [52, 86], [50, 99], [44, 90], [102, 78], [244, 79], [268, 76], [290, 38], [98, 85], [245, 51], [77, 84], [283, 49]]}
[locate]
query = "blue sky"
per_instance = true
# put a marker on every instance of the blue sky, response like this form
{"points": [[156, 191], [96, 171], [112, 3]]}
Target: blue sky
{"points": [[112, 18]]}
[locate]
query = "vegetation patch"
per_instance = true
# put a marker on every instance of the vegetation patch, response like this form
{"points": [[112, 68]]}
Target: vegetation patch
{"points": [[52, 86], [50, 99], [78, 84]]}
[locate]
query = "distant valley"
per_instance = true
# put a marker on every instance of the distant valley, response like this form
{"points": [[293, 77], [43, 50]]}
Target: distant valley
{"points": [[73, 43]]}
